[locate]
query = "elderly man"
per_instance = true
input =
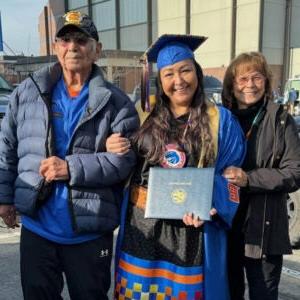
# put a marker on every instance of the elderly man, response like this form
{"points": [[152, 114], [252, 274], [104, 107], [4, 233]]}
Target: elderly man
{"points": [[55, 171]]}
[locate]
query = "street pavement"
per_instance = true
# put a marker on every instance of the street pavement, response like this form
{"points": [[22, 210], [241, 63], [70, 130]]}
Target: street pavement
{"points": [[10, 278], [10, 284]]}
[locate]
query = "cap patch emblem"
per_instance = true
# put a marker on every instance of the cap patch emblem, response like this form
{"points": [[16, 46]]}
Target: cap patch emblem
{"points": [[73, 17]]}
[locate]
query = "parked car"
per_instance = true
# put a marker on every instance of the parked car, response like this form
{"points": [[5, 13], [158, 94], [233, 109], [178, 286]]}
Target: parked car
{"points": [[5, 90], [136, 93], [293, 206], [213, 89]]}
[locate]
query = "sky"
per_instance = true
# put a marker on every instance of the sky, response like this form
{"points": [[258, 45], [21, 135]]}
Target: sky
{"points": [[20, 25]]}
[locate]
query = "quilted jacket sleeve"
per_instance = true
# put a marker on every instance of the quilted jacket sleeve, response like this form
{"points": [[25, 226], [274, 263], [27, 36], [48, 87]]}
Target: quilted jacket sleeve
{"points": [[8, 152], [103, 168]]}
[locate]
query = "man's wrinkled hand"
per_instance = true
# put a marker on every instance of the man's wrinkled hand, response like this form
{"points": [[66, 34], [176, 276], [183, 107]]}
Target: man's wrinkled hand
{"points": [[9, 216], [117, 144], [54, 168]]}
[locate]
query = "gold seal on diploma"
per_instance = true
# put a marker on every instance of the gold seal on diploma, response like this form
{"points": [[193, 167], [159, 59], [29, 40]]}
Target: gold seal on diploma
{"points": [[178, 196]]}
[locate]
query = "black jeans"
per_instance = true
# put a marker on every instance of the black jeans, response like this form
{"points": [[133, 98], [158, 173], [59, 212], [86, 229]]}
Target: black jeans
{"points": [[263, 275], [86, 267]]}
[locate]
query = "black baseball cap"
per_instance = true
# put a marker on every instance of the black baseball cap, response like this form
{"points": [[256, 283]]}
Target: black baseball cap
{"points": [[79, 21]]}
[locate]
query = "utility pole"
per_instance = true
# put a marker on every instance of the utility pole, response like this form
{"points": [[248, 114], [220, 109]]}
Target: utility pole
{"points": [[287, 38]]}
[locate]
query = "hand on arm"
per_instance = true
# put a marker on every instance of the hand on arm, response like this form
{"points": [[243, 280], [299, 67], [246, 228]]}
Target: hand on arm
{"points": [[117, 144], [190, 220], [236, 176], [54, 168]]}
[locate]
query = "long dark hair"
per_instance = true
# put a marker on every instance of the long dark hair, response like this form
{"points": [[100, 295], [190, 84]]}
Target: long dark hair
{"points": [[248, 61], [157, 126]]}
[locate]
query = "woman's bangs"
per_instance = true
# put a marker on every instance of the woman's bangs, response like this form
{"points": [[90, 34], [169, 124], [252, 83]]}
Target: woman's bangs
{"points": [[254, 66]]}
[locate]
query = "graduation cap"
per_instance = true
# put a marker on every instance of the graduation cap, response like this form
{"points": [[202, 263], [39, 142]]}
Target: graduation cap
{"points": [[167, 50]]}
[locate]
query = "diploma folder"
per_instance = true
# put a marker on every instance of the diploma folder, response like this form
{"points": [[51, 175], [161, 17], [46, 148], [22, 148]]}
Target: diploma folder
{"points": [[174, 192]]}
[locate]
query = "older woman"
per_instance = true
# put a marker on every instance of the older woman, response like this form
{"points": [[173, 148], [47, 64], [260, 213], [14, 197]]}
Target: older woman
{"points": [[167, 258], [259, 236]]}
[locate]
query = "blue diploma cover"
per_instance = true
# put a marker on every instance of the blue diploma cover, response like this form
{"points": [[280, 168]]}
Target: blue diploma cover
{"points": [[174, 192]]}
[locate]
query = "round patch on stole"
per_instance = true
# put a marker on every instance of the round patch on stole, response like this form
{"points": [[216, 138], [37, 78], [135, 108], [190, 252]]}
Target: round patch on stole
{"points": [[173, 158]]}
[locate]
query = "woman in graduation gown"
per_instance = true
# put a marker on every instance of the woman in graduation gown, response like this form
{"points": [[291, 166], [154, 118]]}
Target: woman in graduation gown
{"points": [[186, 258]]}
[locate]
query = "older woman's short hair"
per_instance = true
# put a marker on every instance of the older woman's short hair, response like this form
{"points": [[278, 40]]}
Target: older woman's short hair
{"points": [[243, 63]]}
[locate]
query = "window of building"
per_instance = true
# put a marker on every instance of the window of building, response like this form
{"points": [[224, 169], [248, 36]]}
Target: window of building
{"points": [[83, 10], [129, 40], [104, 15], [133, 12], [98, 1], [108, 39], [72, 4], [154, 20]]}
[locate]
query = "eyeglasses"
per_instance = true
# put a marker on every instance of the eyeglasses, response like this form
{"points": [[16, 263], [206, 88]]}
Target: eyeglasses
{"points": [[78, 38], [256, 79]]}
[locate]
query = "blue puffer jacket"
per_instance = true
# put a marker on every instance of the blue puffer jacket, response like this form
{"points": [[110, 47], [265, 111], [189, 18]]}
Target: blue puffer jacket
{"points": [[95, 184]]}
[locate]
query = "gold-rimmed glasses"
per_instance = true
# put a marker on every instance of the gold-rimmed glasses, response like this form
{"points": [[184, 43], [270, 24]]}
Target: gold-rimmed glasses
{"points": [[257, 79]]}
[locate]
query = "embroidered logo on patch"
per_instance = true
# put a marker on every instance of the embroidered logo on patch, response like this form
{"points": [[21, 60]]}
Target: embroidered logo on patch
{"points": [[234, 192], [73, 17], [173, 158]]}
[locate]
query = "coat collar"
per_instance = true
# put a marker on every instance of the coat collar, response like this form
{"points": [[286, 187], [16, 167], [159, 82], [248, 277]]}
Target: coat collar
{"points": [[47, 78]]}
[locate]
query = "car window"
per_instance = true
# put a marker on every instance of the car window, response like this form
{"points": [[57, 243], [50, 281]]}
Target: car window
{"points": [[5, 85], [3, 101]]}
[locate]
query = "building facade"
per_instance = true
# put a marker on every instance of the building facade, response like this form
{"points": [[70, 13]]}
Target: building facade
{"points": [[47, 25], [232, 26], [235, 26]]}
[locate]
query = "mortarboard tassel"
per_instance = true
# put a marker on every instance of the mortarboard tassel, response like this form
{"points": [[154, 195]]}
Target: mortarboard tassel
{"points": [[145, 85]]}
